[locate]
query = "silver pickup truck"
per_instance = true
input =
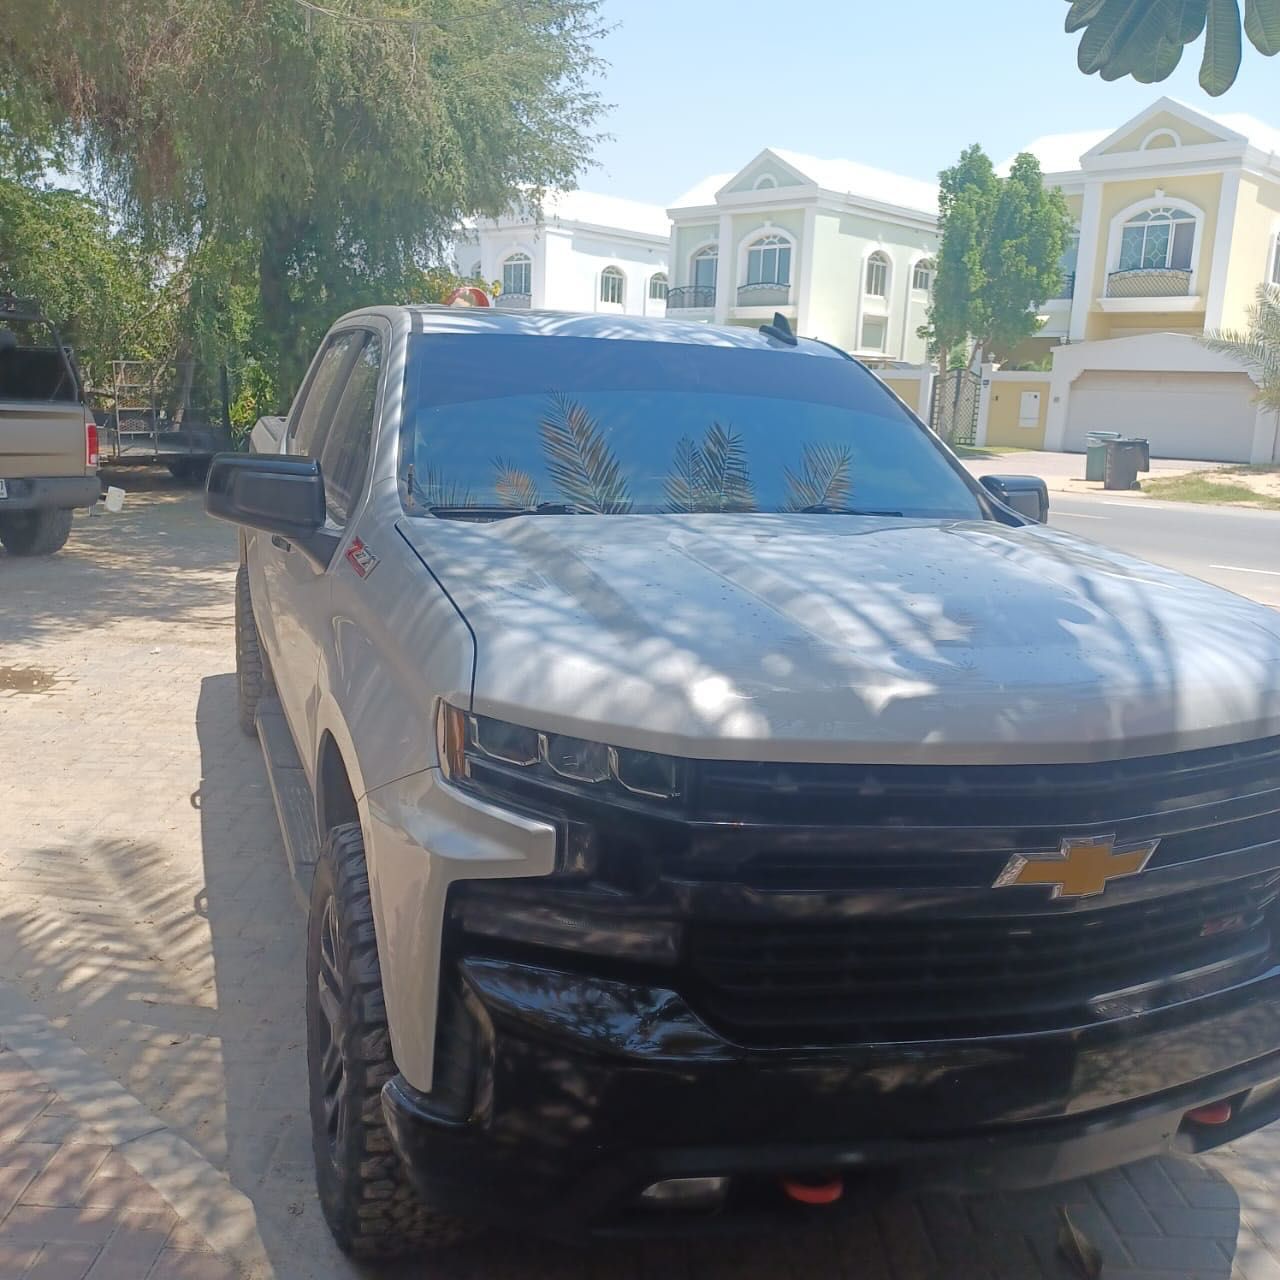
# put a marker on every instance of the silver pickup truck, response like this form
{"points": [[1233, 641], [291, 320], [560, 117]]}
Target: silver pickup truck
{"points": [[713, 801], [48, 441]]}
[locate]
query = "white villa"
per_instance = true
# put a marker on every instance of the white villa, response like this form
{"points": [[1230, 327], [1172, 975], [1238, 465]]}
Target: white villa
{"points": [[587, 252], [844, 251]]}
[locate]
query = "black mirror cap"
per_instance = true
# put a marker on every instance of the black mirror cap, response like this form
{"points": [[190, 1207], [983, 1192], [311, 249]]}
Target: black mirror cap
{"points": [[1027, 495], [277, 495]]}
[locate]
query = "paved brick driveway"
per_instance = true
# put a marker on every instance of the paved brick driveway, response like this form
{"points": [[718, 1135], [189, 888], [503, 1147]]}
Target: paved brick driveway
{"points": [[152, 1099]]}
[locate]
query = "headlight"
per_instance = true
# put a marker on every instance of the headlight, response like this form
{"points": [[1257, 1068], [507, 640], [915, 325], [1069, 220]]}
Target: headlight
{"points": [[481, 749]]}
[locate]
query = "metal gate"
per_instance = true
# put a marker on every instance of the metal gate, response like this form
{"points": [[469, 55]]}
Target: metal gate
{"points": [[159, 409], [953, 406]]}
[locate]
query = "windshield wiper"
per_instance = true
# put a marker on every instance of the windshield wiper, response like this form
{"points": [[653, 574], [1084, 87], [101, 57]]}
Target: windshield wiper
{"points": [[445, 511], [825, 509]]}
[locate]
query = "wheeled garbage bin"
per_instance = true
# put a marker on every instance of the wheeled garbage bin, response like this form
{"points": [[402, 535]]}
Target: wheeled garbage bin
{"points": [[1095, 453], [1124, 459]]}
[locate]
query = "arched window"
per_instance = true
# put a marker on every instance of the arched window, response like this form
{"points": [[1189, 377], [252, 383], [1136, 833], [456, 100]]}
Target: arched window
{"points": [[922, 275], [1160, 140], [613, 286], [878, 275], [769, 261], [658, 286], [1157, 239], [765, 182], [705, 263], [517, 274], [476, 272]]}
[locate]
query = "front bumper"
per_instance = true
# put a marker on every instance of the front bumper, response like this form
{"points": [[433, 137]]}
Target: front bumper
{"points": [[40, 493], [586, 1091]]}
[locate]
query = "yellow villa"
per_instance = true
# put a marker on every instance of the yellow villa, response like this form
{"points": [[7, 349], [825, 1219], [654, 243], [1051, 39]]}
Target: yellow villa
{"points": [[1177, 216]]}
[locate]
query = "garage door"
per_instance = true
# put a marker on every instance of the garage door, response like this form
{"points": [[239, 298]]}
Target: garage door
{"points": [[1184, 415]]}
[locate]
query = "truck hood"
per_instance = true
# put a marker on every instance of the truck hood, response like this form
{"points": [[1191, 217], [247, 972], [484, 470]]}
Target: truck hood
{"points": [[829, 638]]}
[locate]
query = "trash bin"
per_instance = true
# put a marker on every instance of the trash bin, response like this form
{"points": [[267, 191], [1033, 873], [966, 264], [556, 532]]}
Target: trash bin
{"points": [[1095, 453], [1124, 459]]}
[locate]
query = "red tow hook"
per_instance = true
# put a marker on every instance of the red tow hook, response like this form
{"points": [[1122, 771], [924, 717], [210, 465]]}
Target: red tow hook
{"points": [[1213, 1113], [812, 1190]]}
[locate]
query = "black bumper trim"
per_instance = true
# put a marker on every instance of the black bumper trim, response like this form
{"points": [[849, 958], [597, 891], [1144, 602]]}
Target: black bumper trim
{"points": [[588, 1091]]}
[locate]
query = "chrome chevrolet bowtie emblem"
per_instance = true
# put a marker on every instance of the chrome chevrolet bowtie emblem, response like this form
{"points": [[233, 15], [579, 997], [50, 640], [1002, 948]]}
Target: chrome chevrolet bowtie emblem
{"points": [[1080, 868]]}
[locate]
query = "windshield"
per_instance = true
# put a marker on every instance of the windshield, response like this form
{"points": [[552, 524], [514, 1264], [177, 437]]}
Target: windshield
{"points": [[622, 426]]}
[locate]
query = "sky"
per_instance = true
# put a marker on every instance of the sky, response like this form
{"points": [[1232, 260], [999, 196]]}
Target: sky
{"points": [[700, 86]]}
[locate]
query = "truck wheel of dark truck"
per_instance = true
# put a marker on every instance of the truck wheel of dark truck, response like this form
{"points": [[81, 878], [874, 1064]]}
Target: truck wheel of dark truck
{"points": [[35, 533], [365, 1194], [190, 471], [253, 673]]}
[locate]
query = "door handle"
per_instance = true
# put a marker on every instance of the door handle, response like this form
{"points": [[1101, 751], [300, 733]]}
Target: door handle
{"points": [[283, 543]]}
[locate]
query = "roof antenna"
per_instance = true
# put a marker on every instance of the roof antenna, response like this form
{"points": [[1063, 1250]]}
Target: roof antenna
{"points": [[780, 329]]}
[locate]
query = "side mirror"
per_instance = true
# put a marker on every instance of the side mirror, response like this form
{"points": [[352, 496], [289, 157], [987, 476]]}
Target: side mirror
{"points": [[282, 496], [1027, 495]]}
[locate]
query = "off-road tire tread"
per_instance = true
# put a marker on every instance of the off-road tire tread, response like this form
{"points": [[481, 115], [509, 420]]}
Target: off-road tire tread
{"points": [[253, 672], [36, 533], [370, 1205]]}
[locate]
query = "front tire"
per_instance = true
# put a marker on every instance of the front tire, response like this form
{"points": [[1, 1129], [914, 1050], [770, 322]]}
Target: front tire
{"points": [[365, 1194], [253, 673], [35, 533]]}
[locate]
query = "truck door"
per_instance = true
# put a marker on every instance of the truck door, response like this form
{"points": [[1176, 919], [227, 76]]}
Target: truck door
{"points": [[295, 591]]}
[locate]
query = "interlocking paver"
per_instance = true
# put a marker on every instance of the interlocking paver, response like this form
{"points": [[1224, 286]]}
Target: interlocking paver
{"points": [[147, 913]]}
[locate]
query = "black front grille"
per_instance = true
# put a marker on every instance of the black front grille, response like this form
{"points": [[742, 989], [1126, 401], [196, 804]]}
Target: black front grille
{"points": [[905, 978], [844, 826]]}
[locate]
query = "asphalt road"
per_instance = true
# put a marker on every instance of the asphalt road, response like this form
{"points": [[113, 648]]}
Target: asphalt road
{"points": [[1235, 548]]}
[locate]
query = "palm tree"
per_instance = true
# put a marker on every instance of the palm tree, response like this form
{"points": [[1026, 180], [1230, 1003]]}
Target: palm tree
{"points": [[1258, 349]]}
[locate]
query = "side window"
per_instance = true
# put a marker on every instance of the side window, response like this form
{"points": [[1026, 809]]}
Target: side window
{"points": [[306, 430], [344, 456]]}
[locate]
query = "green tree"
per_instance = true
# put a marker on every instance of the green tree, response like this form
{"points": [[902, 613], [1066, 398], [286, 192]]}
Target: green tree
{"points": [[1258, 349], [96, 285], [1145, 38], [1002, 242], [345, 142]]}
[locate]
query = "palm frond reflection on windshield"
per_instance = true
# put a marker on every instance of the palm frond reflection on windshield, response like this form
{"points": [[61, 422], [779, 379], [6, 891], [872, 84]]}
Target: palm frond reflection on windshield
{"points": [[580, 460], [824, 478], [514, 486], [430, 489], [712, 476]]}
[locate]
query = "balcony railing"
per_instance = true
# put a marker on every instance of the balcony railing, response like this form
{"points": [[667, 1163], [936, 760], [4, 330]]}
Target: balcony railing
{"points": [[764, 293], [513, 301], [687, 296], [1149, 282], [1068, 289]]}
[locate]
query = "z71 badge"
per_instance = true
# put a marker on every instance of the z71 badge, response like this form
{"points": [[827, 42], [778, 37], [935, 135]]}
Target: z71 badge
{"points": [[361, 559]]}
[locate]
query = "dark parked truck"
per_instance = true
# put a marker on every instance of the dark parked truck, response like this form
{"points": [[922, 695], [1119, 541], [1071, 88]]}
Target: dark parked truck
{"points": [[708, 794], [48, 442]]}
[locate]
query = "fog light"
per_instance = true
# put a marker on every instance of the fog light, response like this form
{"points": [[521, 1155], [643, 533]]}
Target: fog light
{"points": [[685, 1193]]}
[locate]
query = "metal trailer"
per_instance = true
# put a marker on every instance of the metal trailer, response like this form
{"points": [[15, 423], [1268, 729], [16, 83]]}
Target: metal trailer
{"points": [[175, 413]]}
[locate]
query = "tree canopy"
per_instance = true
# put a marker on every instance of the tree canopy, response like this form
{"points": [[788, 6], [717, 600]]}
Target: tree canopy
{"points": [[1002, 242], [99, 288], [1145, 38], [343, 142]]}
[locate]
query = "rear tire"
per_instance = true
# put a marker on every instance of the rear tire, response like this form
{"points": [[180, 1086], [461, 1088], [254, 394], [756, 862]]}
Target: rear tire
{"points": [[253, 672], [35, 533], [365, 1194], [190, 471]]}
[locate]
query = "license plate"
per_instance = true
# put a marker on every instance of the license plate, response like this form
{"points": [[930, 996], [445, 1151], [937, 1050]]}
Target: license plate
{"points": [[4, 489]]}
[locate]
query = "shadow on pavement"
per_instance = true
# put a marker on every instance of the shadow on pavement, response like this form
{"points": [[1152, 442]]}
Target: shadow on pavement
{"points": [[155, 560]]}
